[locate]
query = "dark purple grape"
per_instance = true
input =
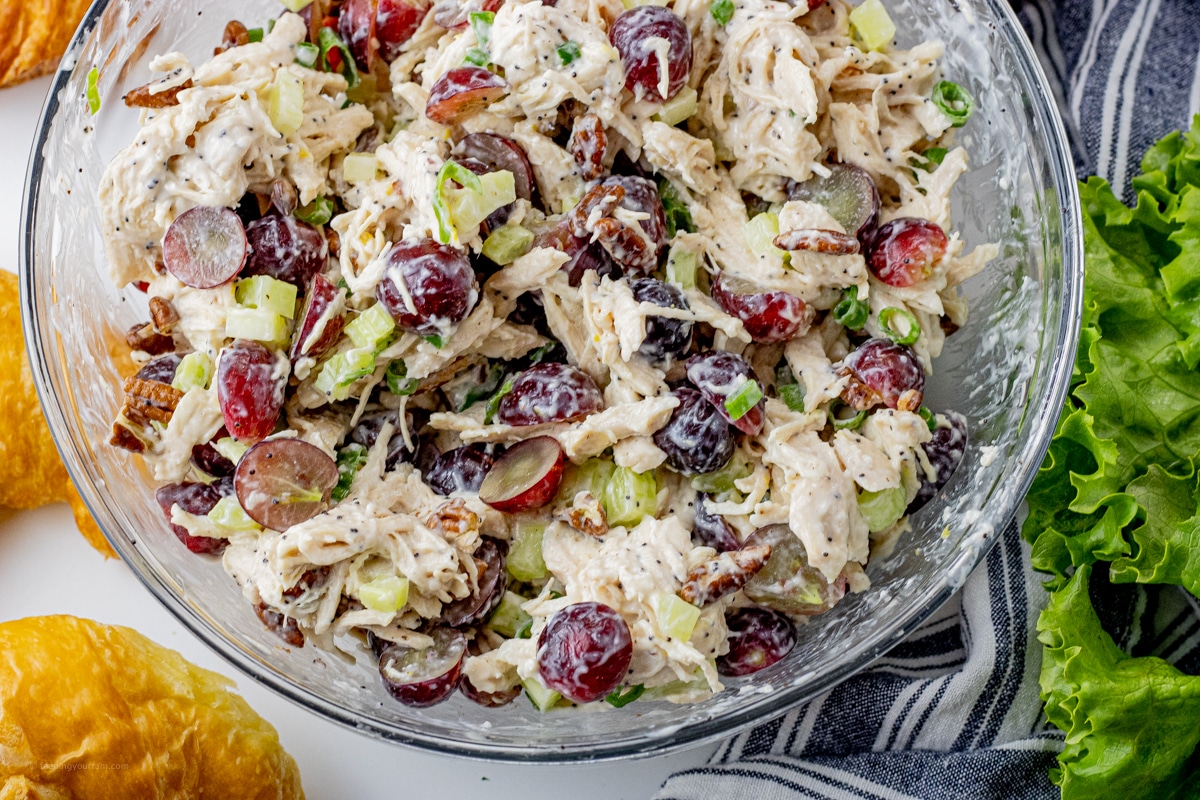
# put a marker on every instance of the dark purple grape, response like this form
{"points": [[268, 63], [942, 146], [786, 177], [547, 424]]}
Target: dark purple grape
{"points": [[904, 251], [550, 393], [696, 439], [711, 529], [426, 677], [629, 33], [887, 373], [194, 498], [584, 651], [848, 194], [208, 460], [492, 582], [205, 247], [787, 582], [945, 452], [769, 316], [250, 388], [487, 699], [439, 282], [161, 369], [321, 295], [280, 624], [460, 470], [463, 91], [366, 433], [758, 638], [285, 249], [641, 196], [283, 482], [718, 374], [666, 338]]}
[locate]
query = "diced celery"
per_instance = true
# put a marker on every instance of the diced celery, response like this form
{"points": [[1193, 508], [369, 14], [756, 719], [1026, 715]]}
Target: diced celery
{"points": [[228, 513], [371, 327], [681, 268], [542, 697], [722, 480], [343, 369], [468, 208], [296, 5], [257, 324], [193, 372], [676, 617], [629, 496], [760, 233], [680, 107], [388, 593], [525, 561], [873, 25], [508, 243], [590, 476], [509, 617], [306, 53], [792, 394], [359, 167], [698, 683], [268, 294], [230, 448], [285, 103], [881, 509]]}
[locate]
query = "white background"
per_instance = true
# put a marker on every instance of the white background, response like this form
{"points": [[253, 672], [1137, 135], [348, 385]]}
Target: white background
{"points": [[47, 568]]}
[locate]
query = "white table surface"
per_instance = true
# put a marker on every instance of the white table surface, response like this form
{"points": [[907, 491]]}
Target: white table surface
{"points": [[335, 762]]}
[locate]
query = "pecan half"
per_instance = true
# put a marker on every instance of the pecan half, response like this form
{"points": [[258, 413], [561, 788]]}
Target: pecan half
{"points": [[726, 573], [151, 399], [144, 337], [588, 144], [627, 245], [126, 439], [281, 625], [586, 515], [596, 204], [163, 316], [144, 97], [818, 240], [235, 35], [453, 517]]}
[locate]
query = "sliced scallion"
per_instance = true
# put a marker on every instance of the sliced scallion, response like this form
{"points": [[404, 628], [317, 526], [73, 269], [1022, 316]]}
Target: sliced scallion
{"points": [[744, 398], [307, 53], [845, 423], [328, 40], [621, 698], [954, 101], [350, 460], [912, 330], [792, 394], [397, 380], [850, 311], [930, 419]]}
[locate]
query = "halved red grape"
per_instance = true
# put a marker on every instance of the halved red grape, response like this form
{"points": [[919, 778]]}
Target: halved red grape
{"points": [[283, 482], [666, 338], [426, 677], [455, 14], [161, 369], [888, 373], [525, 477], [194, 498], [286, 249], [356, 26], [711, 529], [500, 153], [395, 23], [696, 439], [487, 699], [550, 393], [718, 374], [320, 296], [583, 651], [768, 316], [758, 638], [848, 194], [459, 470], [945, 452], [905, 251], [463, 91], [629, 34], [250, 388], [205, 247], [491, 585], [439, 287], [787, 582]]}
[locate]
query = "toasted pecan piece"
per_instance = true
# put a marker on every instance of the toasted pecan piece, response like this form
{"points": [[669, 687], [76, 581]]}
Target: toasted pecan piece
{"points": [[818, 240], [144, 337], [235, 35], [126, 439], [726, 573], [163, 316], [586, 515], [453, 517], [627, 244], [596, 204], [146, 97], [151, 399], [588, 145], [857, 394]]}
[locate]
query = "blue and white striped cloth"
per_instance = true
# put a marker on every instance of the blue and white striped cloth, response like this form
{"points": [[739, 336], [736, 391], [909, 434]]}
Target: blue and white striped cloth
{"points": [[953, 712]]}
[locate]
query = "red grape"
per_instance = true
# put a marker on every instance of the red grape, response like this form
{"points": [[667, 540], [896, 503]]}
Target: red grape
{"points": [[395, 23], [194, 498], [584, 651], [945, 452], [758, 638], [787, 582], [500, 153], [905, 251], [718, 374], [283, 482], [426, 677], [666, 338], [463, 91], [848, 194], [366, 433], [491, 585], [438, 280], [205, 247], [459, 470], [629, 33], [320, 296], [525, 477], [356, 26], [768, 316], [487, 699], [286, 249], [711, 529], [454, 14], [887, 373], [161, 369], [207, 459], [696, 439], [550, 393], [250, 388]]}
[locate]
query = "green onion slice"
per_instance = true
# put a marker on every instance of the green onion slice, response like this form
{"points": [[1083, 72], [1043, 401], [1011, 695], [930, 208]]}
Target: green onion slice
{"points": [[306, 52], [845, 423], [479, 58], [679, 218], [93, 90], [256, 35], [481, 24], [493, 404], [792, 394], [397, 380], [912, 333], [568, 52], [620, 699], [850, 311], [350, 460], [744, 398], [954, 101], [451, 171], [329, 40], [927, 415]]}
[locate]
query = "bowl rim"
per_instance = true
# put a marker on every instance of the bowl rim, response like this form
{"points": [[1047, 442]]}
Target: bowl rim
{"points": [[1063, 179]]}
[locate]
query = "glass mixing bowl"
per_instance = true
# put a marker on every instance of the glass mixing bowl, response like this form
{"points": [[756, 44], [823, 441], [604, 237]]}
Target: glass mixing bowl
{"points": [[1007, 370]]}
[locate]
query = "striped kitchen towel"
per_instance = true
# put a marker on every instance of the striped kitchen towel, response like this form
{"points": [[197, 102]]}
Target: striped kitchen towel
{"points": [[954, 711]]}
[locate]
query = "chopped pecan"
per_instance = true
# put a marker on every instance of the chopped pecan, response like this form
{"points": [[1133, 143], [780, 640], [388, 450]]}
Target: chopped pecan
{"points": [[284, 197], [817, 240], [144, 337], [627, 244], [586, 515], [726, 573], [146, 97], [948, 326], [453, 517], [334, 241], [235, 35], [163, 316], [126, 439], [596, 204], [310, 579], [281, 625], [857, 394], [151, 399], [588, 144], [910, 400]]}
